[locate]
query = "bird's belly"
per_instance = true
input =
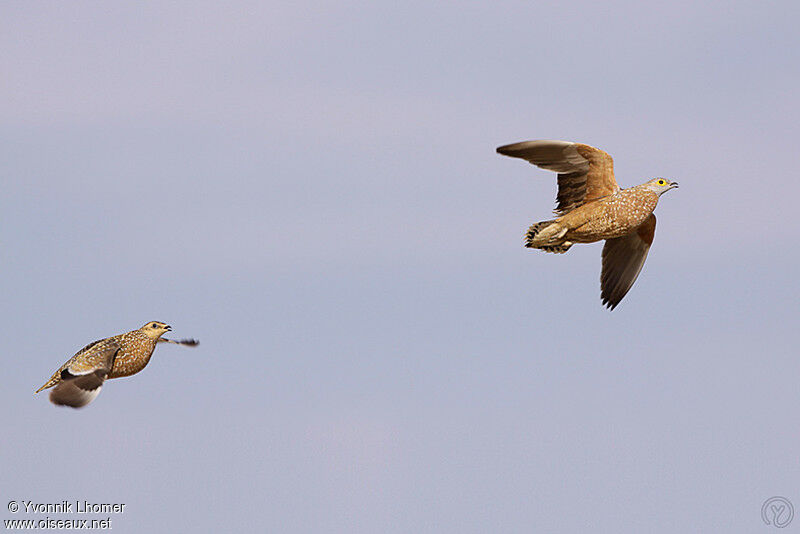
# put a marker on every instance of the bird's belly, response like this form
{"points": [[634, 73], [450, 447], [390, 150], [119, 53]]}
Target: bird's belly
{"points": [[597, 231], [608, 220], [126, 365]]}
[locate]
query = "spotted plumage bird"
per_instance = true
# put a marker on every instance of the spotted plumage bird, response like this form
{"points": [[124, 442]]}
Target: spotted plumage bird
{"points": [[79, 381], [592, 207]]}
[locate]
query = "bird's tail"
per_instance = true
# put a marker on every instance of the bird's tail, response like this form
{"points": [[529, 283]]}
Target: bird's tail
{"points": [[50, 383], [557, 249], [547, 236]]}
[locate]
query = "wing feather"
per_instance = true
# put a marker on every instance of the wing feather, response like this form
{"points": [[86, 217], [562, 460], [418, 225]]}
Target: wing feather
{"points": [[97, 355], [185, 342], [82, 378], [585, 173], [77, 391], [623, 259]]}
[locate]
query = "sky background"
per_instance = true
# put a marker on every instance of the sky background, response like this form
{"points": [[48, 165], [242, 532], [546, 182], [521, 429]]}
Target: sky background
{"points": [[312, 190]]}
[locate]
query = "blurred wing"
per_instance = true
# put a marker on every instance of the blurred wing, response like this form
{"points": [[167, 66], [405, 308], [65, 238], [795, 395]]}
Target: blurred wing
{"points": [[623, 259], [187, 342], [77, 391], [585, 173], [83, 377]]}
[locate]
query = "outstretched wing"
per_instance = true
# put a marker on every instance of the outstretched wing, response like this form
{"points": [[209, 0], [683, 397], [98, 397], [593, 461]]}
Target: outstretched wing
{"points": [[82, 377], [585, 173], [186, 342], [623, 259]]}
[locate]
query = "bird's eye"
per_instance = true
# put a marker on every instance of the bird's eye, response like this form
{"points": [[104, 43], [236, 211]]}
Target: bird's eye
{"points": [[154, 325], [661, 182]]}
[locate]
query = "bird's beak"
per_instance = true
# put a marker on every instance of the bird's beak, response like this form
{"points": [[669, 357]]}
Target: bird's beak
{"points": [[168, 328], [673, 185]]}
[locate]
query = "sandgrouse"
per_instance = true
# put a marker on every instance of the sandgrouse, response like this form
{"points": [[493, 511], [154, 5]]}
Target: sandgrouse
{"points": [[79, 381], [591, 207]]}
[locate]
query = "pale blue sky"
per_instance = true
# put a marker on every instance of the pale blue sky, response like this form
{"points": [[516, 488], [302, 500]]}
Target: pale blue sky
{"points": [[311, 189]]}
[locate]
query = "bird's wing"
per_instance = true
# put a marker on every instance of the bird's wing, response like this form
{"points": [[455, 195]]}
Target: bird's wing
{"points": [[623, 259], [585, 173], [187, 342], [96, 355], [82, 378], [77, 391]]}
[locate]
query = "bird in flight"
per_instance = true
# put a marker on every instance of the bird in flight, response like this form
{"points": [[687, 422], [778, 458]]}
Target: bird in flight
{"points": [[592, 207], [80, 379]]}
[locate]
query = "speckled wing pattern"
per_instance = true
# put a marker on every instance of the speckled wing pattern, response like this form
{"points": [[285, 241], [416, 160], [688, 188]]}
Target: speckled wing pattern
{"points": [[585, 173], [623, 259], [80, 380]]}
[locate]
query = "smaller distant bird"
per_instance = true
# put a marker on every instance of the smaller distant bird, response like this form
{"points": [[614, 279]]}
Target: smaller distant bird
{"points": [[79, 381], [592, 207]]}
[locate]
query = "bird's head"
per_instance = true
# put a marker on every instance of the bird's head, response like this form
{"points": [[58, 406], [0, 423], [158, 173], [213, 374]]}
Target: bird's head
{"points": [[155, 329], [659, 186]]}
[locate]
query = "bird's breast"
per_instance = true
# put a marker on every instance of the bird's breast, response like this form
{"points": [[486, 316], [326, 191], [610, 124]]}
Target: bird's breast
{"points": [[615, 215], [133, 356]]}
